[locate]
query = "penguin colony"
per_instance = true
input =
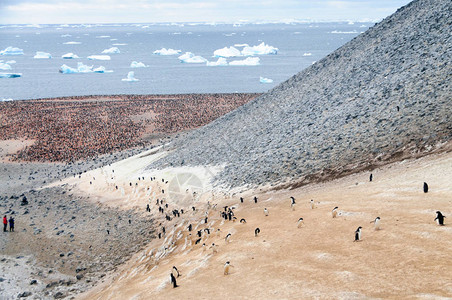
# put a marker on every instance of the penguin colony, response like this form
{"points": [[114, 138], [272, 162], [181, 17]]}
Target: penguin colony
{"points": [[201, 229]]}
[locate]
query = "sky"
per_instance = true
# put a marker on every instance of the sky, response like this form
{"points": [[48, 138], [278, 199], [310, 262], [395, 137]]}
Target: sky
{"points": [[150, 11]]}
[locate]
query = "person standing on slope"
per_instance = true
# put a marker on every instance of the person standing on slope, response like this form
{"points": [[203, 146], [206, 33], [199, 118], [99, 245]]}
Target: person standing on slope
{"points": [[5, 223], [11, 224]]}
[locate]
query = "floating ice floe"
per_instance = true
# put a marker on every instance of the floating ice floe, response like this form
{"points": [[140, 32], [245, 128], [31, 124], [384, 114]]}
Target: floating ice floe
{"points": [[186, 55], [5, 66], [194, 60], [130, 77], [10, 75], [81, 68], [227, 52], [69, 56], [66, 35], [102, 36], [40, 54], [120, 44], [111, 50], [99, 57], [241, 45], [72, 43], [249, 61], [307, 54], [10, 62], [165, 51], [220, 62], [135, 64], [261, 49], [265, 80], [344, 32], [12, 51]]}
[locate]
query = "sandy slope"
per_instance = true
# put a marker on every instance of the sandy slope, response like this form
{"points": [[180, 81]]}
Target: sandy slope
{"points": [[408, 258]]}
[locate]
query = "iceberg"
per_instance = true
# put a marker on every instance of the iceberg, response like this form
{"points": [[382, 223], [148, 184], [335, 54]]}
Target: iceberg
{"points": [[72, 43], [101, 69], [10, 62], [265, 80], [186, 55], [227, 52], [102, 36], [40, 54], [120, 44], [344, 32], [261, 49], [81, 68], [130, 77], [249, 61], [10, 75], [111, 50], [307, 54], [241, 45], [194, 60], [5, 66], [69, 56], [12, 51], [99, 57], [165, 51], [135, 64], [220, 62], [66, 35]]}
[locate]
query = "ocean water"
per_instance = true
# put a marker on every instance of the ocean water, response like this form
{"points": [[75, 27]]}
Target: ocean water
{"points": [[299, 46]]}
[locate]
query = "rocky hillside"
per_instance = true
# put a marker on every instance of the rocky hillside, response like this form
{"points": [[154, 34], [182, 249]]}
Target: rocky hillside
{"points": [[385, 94]]}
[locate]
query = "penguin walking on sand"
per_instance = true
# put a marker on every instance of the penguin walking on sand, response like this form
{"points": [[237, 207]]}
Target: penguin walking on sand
{"points": [[226, 239], [256, 231], [439, 218], [255, 199], [312, 204], [203, 247], [175, 272], [242, 220], [358, 234], [334, 212], [173, 280], [227, 266], [425, 187], [376, 223], [300, 222], [266, 212], [214, 248], [371, 177], [292, 204]]}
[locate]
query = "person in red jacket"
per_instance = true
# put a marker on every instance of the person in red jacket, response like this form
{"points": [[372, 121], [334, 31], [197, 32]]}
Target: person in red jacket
{"points": [[5, 223]]}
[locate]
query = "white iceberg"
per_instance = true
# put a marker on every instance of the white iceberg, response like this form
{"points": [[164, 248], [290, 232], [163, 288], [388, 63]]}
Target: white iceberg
{"points": [[12, 51], [40, 54], [69, 56], [66, 35], [120, 44], [10, 75], [307, 54], [130, 77], [99, 57], [81, 68], [5, 66], [261, 49], [344, 32], [72, 43], [102, 36], [111, 50], [194, 60], [265, 80], [227, 52], [220, 62], [101, 69], [136, 64], [249, 61], [10, 62], [241, 45], [186, 55], [165, 51]]}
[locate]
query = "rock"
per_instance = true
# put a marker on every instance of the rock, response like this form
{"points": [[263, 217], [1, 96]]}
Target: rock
{"points": [[24, 295], [59, 295], [79, 276], [34, 281]]}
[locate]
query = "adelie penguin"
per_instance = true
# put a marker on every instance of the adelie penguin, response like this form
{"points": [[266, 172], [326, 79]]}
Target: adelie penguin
{"points": [[425, 187], [173, 280], [266, 212], [228, 236], [334, 212], [376, 223], [292, 204], [256, 231], [371, 177], [227, 265], [300, 222], [358, 234], [175, 272], [243, 221], [439, 218]]}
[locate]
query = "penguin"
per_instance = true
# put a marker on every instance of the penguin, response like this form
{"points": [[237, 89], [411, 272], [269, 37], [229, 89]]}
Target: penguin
{"points": [[358, 234], [334, 212], [175, 272], [207, 229], [241, 199], [292, 204], [376, 223], [256, 231], [197, 241], [228, 236], [300, 222], [266, 212], [243, 221], [255, 199], [173, 280], [214, 248], [227, 265], [203, 247], [439, 218], [218, 232], [371, 177], [425, 187], [312, 204]]}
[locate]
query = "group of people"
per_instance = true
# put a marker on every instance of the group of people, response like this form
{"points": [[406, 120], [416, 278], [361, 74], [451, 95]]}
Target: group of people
{"points": [[70, 129], [5, 224]]}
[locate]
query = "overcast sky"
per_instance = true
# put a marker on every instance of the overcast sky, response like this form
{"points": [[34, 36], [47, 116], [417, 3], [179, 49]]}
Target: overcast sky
{"points": [[141, 11]]}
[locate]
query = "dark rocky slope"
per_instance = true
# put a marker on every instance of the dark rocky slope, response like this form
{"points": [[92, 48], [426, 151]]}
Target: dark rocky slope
{"points": [[385, 94]]}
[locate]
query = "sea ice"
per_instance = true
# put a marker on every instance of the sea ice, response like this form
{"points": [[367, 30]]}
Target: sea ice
{"points": [[165, 51], [135, 64], [40, 54], [10, 62], [220, 62], [12, 51], [194, 60], [69, 56], [10, 75], [261, 49], [99, 57], [344, 32], [265, 80], [72, 43], [249, 61], [227, 52], [101, 69], [130, 77], [5, 66], [66, 35], [307, 54], [120, 44], [102, 36], [111, 50]]}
